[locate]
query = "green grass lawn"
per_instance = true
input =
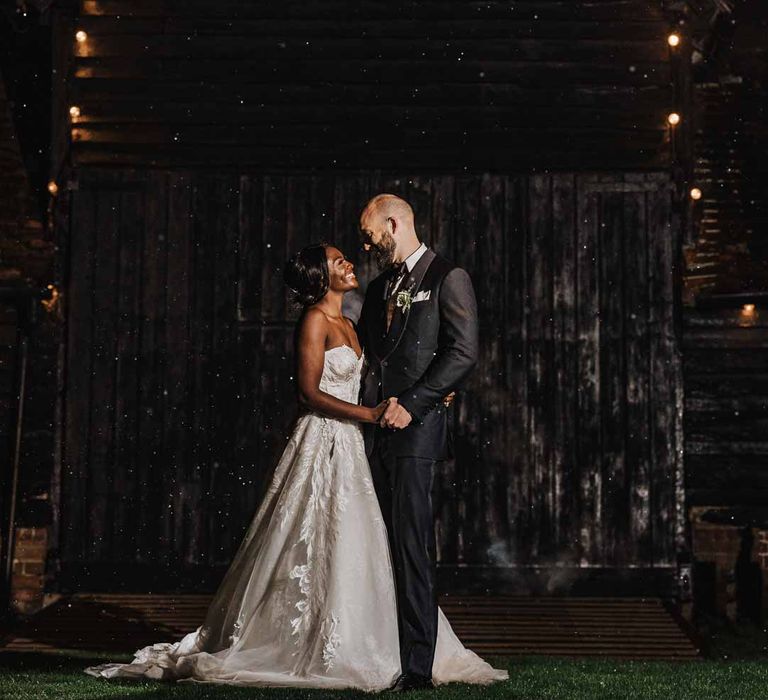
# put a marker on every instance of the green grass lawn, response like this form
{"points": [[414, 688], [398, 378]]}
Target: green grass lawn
{"points": [[39, 676]]}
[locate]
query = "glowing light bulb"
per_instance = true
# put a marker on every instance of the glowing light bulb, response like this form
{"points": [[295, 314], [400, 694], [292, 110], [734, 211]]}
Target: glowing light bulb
{"points": [[695, 193], [748, 309], [673, 118], [74, 111], [673, 39], [53, 188], [81, 36]]}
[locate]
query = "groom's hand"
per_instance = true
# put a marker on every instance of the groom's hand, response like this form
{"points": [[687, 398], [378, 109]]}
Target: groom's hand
{"points": [[395, 416]]}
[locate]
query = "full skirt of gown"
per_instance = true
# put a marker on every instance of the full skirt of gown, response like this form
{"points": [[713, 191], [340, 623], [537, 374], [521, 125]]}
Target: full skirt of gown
{"points": [[309, 598]]}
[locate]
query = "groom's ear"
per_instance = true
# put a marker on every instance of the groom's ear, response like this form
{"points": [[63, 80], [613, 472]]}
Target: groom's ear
{"points": [[393, 224]]}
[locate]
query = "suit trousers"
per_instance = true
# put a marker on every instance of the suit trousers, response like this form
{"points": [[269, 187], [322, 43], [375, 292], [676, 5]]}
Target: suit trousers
{"points": [[404, 489]]}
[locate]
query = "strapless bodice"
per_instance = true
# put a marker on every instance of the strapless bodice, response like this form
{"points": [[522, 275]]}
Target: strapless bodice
{"points": [[341, 373]]}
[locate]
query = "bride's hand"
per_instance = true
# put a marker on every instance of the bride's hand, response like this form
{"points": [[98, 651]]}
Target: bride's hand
{"points": [[378, 411]]}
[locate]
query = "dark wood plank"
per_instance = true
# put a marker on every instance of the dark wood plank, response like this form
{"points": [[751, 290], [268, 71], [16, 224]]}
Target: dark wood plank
{"points": [[516, 336], [242, 45], [629, 149], [636, 291], [225, 478], [564, 363], [634, 10], [123, 492], [103, 370], [274, 251], [507, 27], [468, 403], [664, 385], [589, 448], [249, 284], [151, 485], [198, 477], [613, 427], [297, 230], [180, 280], [490, 292], [77, 432]]}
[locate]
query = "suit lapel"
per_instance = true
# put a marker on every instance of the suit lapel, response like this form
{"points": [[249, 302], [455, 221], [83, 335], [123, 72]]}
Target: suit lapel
{"points": [[412, 282]]}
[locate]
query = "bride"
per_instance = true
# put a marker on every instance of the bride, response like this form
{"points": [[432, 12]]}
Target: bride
{"points": [[309, 599]]}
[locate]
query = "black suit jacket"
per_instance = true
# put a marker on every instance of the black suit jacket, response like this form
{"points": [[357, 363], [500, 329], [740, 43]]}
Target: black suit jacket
{"points": [[429, 350]]}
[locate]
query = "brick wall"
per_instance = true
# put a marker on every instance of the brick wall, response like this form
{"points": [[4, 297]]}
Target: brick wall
{"points": [[28, 580]]}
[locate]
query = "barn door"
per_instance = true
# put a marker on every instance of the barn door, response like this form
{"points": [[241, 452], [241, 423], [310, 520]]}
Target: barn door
{"points": [[180, 389], [568, 467]]}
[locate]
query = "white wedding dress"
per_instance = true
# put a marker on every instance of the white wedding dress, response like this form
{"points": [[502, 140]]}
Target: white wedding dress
{"points": [[309, 599]]}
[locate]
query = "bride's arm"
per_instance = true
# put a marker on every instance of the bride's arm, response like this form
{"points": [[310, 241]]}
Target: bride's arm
{"points": [[311, 350]]}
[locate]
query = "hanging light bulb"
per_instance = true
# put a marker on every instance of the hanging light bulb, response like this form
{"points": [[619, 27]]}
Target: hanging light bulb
{"points": [[673, 39], [74, 111], [673, 118], [748, 309], [81, 36], [53, 188], [695, 193]]}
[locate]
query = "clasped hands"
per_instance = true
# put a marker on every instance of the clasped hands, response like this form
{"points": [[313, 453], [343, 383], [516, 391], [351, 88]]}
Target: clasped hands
{"points": [[395, 416]]}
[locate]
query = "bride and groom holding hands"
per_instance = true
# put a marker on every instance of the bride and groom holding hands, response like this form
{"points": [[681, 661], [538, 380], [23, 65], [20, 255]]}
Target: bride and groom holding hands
{"points": [[333, 584]]}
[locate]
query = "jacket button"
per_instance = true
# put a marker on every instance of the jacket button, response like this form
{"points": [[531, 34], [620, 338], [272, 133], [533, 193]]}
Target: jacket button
{"points": [[383, 363]]}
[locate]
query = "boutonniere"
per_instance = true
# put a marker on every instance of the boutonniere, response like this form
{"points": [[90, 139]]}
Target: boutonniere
{"points": [[404, 299]]}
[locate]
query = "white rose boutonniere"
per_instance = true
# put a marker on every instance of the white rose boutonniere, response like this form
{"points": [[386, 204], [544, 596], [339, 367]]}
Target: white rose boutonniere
{"points": [[403, 300]]}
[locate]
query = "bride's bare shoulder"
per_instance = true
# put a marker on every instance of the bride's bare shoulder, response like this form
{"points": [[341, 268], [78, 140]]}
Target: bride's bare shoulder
{"points": [[311, 313], [313, 323]]}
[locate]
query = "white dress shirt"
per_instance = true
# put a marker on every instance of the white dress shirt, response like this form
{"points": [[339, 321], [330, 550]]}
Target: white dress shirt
{"points": [[415, 256]]}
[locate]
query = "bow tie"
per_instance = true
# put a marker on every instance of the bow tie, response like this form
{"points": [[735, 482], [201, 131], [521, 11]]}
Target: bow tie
{"points": [[395, 274]]}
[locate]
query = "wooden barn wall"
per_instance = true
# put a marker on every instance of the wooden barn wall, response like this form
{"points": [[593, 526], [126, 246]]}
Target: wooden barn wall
{"points": [[179, 390], [726, 407], [489, 86]]}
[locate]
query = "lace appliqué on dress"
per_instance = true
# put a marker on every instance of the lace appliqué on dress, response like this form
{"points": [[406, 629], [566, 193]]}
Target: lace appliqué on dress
{"points": [[331, 640], [327, 500]]}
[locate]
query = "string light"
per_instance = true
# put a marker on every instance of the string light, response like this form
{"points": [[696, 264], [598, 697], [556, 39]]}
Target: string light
{"points": [[673, 39], [695, 193], [53, 188], [748, 309], [50, 304], [81, 36], [673, 118], [74, 111]]}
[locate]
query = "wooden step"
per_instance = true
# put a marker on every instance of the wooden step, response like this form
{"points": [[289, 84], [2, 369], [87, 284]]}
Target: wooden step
{"points": [[620, 628]]}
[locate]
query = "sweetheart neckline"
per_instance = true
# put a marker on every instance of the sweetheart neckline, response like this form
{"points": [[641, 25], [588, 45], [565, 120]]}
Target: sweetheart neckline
{"points": [[344, 345]]}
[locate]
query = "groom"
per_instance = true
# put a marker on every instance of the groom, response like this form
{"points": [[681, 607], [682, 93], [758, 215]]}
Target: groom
{"points": [[418, 326]]}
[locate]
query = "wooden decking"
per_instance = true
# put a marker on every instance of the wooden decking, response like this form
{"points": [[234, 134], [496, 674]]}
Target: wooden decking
{"points": [[622, 628]]}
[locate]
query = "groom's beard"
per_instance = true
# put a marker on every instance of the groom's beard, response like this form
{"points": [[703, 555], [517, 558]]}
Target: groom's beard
{"points": [[384, 252]]}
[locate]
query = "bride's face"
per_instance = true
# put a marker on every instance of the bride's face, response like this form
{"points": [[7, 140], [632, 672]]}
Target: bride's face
{"points": [[340, 270]]}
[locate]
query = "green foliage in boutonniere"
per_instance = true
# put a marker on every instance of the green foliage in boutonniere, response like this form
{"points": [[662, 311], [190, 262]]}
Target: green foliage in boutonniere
{"points": [[403, 300]]}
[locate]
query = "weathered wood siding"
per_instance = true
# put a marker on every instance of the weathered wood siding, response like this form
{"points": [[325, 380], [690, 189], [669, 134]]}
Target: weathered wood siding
{"points": [[179, 388], [726, 406], [505, 86]]}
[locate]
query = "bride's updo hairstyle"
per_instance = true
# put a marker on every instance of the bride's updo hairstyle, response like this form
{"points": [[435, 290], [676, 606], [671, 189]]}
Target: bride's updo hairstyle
{"points": [[306, 273]]}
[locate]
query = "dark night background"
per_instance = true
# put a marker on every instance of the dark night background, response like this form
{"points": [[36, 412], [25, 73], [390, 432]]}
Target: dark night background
{"points": [[619, 414]]}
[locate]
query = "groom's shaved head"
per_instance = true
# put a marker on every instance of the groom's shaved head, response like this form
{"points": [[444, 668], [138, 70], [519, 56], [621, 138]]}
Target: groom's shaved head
{"points": [[383, 206], [387, 228]]}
